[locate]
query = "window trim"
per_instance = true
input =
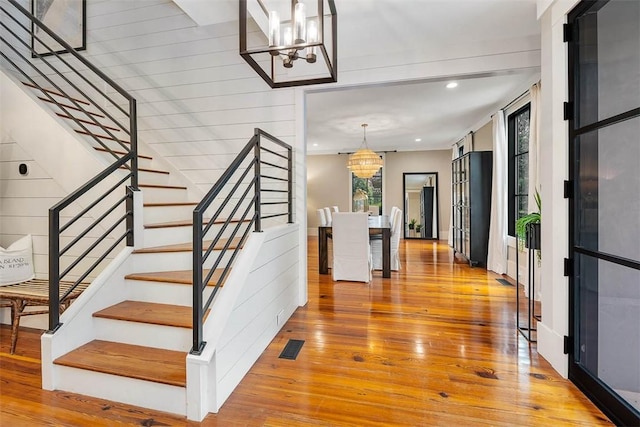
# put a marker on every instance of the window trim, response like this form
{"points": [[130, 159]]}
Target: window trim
{"points": [[511, 168]]}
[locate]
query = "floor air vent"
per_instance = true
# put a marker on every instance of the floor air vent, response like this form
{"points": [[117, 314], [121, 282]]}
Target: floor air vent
{"points": [[291, 350], [504, 282]]}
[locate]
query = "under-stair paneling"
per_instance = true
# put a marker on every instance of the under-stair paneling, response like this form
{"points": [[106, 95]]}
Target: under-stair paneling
{"points": [[268, 298], [198, 101]]}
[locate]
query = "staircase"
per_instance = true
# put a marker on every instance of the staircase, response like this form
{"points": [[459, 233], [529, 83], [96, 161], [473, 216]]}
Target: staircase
{"points": [[147, 335], [133, 335]]}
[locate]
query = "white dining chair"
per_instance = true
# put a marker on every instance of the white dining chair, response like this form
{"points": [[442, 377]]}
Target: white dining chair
{"points": [[327, 214], [335, 209], [351, 250], [322, 219], [392, 215], [376, 245]]}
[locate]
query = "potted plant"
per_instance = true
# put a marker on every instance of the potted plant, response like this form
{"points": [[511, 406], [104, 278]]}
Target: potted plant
{"points": [[528, 227], [418, 227], [412, 223]]}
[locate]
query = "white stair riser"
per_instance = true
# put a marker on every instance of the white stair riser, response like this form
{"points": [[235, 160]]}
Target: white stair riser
{"points": [[172, 235], [145, 334], [142, 162], [165, 261], [131, 391], [153, 178], [159, 214], [166, 235], [170, 261], [164, 195], [162, 293]]}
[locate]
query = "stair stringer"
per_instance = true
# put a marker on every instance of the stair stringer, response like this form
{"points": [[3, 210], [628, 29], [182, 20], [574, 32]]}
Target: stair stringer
{"points": [[108, 288], [260, 294], [77, 322]]}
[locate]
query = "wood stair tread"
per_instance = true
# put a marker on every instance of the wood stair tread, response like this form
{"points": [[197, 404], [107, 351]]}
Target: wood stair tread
{"points": [[167, 187], [97, 135], [188, 223], [133, 361], [87, 122], [168, 204], [149, 170], [56, 93], [183, 277], [187, 247], [122, 153], [71, 107], [179, 316]]}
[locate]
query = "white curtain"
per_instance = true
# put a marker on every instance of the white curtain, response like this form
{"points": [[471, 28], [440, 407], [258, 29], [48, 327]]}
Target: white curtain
{"points": [[454, 155], [497, 251], [467, 143], [534, 147]]}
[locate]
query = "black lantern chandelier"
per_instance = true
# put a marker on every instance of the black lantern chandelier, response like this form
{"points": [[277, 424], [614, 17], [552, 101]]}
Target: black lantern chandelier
{"points": [[290, 42]]}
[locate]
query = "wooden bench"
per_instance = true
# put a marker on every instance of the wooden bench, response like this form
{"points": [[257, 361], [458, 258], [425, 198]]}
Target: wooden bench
{"points": [[33, 293]]}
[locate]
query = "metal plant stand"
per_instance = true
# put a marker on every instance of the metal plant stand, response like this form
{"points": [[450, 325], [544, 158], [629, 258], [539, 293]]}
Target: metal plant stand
{"points": [[532, 242]]}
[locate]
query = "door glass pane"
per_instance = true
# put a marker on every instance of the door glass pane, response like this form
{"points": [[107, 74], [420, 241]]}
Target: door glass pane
{"points": [[608, 319], [608, 197], [608, 79]]}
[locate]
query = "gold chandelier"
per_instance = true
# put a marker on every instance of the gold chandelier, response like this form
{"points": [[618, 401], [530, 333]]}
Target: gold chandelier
{"points": [[364, 163]]}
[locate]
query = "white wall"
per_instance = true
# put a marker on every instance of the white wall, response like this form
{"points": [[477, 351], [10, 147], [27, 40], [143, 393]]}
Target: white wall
{"points": [[25, 201], [327, 185], [198, 101], [483, 138], [554, 160]]}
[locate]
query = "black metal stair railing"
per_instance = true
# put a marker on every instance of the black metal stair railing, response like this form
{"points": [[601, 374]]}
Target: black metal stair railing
{"points": [[251, 195], [86, 227]]}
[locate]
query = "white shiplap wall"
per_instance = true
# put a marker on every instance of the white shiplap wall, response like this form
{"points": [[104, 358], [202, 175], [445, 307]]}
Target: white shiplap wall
{"points": [[24, 202], [198, 101]]}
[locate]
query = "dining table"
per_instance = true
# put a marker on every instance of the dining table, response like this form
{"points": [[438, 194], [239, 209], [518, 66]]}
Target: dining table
{"points": [[379, 227]]}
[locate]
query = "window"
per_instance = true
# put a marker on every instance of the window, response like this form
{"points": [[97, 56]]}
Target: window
{"points": [[518, 141], [366, 192]]}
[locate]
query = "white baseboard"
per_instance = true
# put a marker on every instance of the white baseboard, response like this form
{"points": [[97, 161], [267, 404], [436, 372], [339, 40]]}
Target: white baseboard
{"points": [[551, 347]]}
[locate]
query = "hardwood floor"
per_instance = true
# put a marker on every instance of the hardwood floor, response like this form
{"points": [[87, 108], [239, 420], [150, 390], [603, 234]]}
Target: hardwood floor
{"points": [[434, 345]]}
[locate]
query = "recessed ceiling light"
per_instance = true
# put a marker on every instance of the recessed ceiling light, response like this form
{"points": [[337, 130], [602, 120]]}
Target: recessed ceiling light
{"points": [[418, 139], [315, 144], [451, 85]]}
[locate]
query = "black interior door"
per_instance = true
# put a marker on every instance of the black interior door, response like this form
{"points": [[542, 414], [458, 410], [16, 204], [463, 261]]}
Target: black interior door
{"points": [[604, 155]]}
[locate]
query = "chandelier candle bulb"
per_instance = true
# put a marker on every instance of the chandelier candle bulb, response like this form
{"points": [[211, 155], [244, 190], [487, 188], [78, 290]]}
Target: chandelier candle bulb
{"points": [[299, 23], [274, 31], [288, 36], [312, 36]]}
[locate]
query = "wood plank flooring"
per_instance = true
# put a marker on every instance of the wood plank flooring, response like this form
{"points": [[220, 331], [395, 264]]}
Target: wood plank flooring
{"points": [[434, 345]]}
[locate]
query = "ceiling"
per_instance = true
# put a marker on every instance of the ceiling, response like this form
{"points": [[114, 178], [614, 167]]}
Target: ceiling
{"points": [[398, 114], [403, 117]]}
